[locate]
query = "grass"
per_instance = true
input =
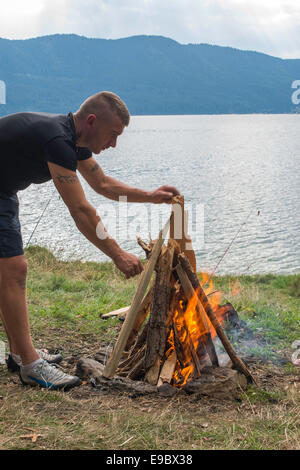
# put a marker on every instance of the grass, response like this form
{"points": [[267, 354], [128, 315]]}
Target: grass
{"points": [[65, 300]]}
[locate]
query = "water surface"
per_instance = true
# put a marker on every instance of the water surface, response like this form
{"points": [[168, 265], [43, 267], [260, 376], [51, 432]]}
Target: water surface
{"points": [[229, 168]]}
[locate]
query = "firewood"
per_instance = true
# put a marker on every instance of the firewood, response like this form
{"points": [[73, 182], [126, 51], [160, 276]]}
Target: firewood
{"points": [[116, 313], [122, 384], [189, 252], [237, 362], [141, 316], [136, 370], [219, 383], [177, 225], [179, 229], [193, 352], [103, 354], [147, 247], [167, 369], [128, 324], [182, 356], [140, 340], [178, 348], [203, 321], [129, 362], [152, 373], [175, 245], [156, 337]]}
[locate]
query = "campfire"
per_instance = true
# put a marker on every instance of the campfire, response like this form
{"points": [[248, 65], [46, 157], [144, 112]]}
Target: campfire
{"points": [[167, 338]]}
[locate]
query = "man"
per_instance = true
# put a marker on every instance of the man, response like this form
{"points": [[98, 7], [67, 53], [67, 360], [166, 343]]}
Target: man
{"points": [[33, 149]]}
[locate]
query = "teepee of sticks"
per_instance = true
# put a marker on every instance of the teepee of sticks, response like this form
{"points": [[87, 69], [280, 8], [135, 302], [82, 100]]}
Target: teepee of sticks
{"points": [[170, 325]]}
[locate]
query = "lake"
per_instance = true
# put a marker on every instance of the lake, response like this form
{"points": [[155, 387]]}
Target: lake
{"points": [[239, 174]]}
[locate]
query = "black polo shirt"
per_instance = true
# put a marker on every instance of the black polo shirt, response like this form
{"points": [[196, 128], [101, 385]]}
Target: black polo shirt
{"points": [[28, 141]]}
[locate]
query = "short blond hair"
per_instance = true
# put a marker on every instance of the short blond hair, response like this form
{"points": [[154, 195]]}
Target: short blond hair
{"points": [[100, 102]]}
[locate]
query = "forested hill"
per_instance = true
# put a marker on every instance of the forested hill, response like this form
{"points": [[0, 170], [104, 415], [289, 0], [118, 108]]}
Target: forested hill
{"points": [[153, 74]]}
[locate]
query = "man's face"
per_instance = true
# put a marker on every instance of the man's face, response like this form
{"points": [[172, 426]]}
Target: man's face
{"points": [[103, 133]]}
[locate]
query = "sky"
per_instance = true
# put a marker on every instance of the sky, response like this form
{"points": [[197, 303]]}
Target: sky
{"points": [[269, 26]]}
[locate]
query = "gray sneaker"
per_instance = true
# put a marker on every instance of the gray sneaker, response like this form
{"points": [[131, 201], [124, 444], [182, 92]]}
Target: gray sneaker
{"points": [[48, 376], [14, 366], [51, 358]]}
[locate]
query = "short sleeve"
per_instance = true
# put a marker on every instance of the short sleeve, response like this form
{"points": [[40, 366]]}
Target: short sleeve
{"points": [[83, 153], [61, 152]]}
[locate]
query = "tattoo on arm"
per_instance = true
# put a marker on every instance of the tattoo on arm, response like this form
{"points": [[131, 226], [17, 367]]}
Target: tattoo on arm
{"points": [[95, 168], [66, 179]]}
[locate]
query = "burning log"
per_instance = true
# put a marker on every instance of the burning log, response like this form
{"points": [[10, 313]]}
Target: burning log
{"points": [[187, 357], [191, 296], [192, 349], [237, 362]]}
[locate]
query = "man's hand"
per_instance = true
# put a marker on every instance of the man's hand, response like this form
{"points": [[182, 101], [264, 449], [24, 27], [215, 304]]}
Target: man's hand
{"points": [[164, 194], [128, 264]]}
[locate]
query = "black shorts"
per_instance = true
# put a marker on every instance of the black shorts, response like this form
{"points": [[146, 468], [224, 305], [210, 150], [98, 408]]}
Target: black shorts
{"points": [[11, 243]]}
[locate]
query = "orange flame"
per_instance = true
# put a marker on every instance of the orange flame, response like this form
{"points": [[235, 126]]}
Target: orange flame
{"points": [[190, 324]]}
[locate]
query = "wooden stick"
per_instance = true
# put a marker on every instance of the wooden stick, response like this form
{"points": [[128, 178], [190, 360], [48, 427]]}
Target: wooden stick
{"points": [[179, 229], [136, 370], [157, 333], [237, 362], [177, 225], [140, 318], [189, 252], [140, 340], [192, 349], [190, 294], [116, 313], [131, 360], [167, 370], [147, 247], [152, 374], [128, 324]]}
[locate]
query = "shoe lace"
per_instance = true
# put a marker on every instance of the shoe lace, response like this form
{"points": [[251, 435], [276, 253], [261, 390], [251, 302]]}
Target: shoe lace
{"points": [[50, 372], [45, 355]]}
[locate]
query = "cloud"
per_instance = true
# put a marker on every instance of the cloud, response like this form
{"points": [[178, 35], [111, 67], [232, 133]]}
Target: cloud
{"points": [[270, 26]]}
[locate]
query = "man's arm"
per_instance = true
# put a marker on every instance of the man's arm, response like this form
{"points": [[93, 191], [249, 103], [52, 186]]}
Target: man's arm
{"points": [[113, 189], [87, 220]]}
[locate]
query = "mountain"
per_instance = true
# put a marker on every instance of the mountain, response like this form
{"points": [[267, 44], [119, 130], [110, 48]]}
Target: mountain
{"points": [[153, 74]]}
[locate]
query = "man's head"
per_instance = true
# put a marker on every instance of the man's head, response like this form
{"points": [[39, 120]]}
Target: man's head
{"points": [[100, 120]]}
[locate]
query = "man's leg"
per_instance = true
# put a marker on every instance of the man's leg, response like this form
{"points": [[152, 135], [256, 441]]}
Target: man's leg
{"points": [[14, 359], [13, 272], [12, 347], [14, 307]]}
